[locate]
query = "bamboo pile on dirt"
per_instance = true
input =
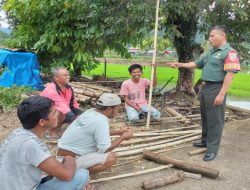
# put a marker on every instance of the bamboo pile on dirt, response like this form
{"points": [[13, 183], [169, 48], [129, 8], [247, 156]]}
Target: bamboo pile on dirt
{"points": [[87, 93], [156, 140]]}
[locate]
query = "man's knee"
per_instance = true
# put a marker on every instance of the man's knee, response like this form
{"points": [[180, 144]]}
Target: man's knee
{"points": [[133, 117], [156, 114]]}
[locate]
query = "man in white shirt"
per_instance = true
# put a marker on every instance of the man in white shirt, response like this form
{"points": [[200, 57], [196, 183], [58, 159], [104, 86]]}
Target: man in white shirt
{"points": [[88, 137]]}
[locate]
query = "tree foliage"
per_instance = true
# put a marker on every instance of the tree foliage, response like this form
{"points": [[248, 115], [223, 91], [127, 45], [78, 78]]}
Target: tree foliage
{"points": [[235, 15], [184, 21], [73, 31]]}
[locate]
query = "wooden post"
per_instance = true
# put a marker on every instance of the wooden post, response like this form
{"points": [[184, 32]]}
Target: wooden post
{"points": [[198, 151], [153, 62], [183, 165], [105, 68]]}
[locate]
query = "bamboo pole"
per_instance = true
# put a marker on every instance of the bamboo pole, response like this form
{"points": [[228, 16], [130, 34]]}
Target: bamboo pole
{"points": [[129, 142], [100, 88], [132, 174], [152, 144], [198, 151], [166, 133], [153, 62], [140, 150]]}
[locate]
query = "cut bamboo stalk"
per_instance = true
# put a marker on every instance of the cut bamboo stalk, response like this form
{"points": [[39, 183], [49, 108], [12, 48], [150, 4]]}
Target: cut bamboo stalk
{"points": [[175, 113], [183, 165], [166, 133], [192, 175], [120, 164], [87, 93], [147, 139], [132, 174], [163, 181], [140, 150], [171, 149], [100, 88], [152, 144], [198, 151]]}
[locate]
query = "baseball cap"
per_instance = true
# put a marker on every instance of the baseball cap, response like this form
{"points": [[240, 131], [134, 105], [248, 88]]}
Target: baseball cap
{"points": [[109, 99]]}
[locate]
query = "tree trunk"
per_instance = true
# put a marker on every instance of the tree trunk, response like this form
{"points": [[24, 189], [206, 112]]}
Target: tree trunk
{"points": [[185, 46], [183, 165]]}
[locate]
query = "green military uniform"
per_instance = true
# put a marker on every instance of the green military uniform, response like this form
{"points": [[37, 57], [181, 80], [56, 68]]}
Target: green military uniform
{"points": [[215, 64]]}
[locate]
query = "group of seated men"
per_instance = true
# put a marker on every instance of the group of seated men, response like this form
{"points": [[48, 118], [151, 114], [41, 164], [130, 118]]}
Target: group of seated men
{"points": [[85, 146]]}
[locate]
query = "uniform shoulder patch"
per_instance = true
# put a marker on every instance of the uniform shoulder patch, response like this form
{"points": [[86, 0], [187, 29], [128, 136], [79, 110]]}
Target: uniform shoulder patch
{"points": [[232, 61]]}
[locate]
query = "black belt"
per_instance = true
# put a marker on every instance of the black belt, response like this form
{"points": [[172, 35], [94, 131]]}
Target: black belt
{"points": [[47, 178], [211, 82]]}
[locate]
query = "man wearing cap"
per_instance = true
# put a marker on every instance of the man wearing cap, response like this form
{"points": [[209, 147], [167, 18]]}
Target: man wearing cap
{"points": [[218, 66], [88, 137]]}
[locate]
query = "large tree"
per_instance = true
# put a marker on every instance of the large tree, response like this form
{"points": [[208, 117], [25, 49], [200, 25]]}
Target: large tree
{"points": [[77, 31], [185, 21]]}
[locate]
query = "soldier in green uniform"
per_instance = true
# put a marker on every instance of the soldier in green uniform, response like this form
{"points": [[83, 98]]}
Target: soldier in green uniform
{"points": [[218, 66]]}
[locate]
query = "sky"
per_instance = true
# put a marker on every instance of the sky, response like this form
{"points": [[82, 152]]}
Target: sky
{"points": [[3, 23]]}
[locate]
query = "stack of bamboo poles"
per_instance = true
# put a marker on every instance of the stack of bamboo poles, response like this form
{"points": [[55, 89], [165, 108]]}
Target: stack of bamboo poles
{"points": [[86, 93], [156, 141]]}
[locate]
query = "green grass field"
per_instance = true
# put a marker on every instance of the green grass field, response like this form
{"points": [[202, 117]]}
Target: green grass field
{"points": [[239, 88]]}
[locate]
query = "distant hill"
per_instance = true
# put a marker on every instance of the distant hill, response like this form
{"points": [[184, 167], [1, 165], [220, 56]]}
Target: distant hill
{"points": [[6, 30]]}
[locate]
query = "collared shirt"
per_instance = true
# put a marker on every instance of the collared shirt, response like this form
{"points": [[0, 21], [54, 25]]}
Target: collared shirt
{"points": [[61, 99], [217, 62]]}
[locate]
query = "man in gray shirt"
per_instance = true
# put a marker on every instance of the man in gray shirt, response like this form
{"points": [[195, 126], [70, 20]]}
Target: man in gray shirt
{"points": [[23, 156], [88, 137]]}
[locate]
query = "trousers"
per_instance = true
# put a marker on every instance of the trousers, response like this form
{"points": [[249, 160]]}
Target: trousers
{"points": [[212, 117]]}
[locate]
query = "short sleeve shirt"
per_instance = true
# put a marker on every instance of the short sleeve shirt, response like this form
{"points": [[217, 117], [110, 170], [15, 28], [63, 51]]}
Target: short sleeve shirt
{"points": [[62, 100], [217, 62], [20, 155], [135, 91], [88, 133]]}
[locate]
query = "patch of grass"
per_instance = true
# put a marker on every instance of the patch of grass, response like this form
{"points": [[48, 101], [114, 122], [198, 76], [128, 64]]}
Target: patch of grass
{"points": [[11, 97], [239, 88]]}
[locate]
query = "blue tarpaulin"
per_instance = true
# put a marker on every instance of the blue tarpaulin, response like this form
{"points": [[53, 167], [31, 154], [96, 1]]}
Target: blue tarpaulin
{"points": [[20, 69]]}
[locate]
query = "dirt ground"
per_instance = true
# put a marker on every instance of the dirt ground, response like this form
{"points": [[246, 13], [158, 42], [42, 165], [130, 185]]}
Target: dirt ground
{"points": [[233, 160], [233, 163]]}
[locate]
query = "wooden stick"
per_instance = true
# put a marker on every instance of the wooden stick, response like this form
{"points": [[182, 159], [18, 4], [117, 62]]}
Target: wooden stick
{"points": [[120, 164], [198, 151], [153, 62], [132, 174], [170, 149], [147, 139], [140, 150], [100, 88], [183, 165], [153, 143], [167, 133]]}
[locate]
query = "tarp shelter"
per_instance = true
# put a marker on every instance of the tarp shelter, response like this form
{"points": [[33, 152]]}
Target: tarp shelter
{"points": [[20, 69]]}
